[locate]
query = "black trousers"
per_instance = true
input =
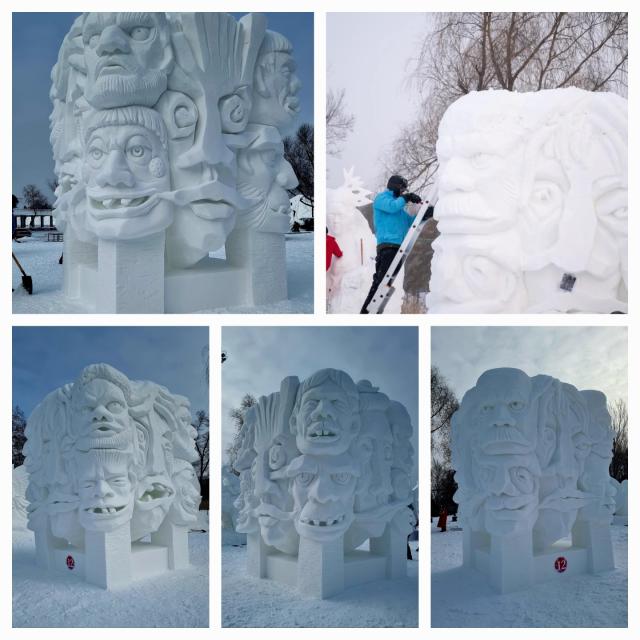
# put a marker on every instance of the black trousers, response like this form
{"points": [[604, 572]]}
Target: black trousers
{"points": [[385, 253]]}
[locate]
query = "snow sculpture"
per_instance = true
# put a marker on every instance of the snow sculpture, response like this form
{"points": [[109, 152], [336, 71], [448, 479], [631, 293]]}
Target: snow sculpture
{"points": [[167, 140], [110, 463], [532, 209], [324, 466], [349, 278], [229, 518], [620, 492], [532, 465]]}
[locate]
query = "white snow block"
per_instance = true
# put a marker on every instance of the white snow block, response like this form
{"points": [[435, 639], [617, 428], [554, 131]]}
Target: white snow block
{"points": [[320, 568], [108, 557], [176, 540], [392, 545], [256, 555], [531, 456], [131, 275]]}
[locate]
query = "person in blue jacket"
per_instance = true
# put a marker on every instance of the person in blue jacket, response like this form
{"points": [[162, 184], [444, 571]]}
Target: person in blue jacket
{"points": [[391, 222]]}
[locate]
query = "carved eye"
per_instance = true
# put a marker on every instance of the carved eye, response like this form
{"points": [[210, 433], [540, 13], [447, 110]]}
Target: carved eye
{"points": [[137, 151], [516, 405], [88, 485], [140, 33], [119, 482], [304, 478], [114, 406], [522, 479], [480, 160], [93, 40], [96, 154], [341, 478], [547, 198], [487, 407]]}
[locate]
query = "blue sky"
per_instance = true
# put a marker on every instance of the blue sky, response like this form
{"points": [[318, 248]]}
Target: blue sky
{"points": [[586, 357], [45, 358], [36, 40], [260, 357]]}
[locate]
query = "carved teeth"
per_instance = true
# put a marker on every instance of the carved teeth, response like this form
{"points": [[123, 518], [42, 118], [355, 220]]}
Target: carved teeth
{"points": [[126, 201]]}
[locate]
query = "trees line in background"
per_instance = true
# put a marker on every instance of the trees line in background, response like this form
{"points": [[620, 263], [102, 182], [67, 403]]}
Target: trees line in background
{"points": [[517, 51], [444, 404]]}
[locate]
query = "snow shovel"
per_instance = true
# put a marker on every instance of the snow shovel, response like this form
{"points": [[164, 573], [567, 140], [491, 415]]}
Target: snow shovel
{"points": [[27, 282]]}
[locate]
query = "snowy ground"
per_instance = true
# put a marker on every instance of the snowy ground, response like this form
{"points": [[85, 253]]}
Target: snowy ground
{"points": [[462, 598], [250, 602], [40, 260], [176, 599]]}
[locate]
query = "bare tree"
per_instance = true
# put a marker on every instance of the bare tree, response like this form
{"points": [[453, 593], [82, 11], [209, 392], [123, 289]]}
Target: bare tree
{"points": [[18, 439], [237, 416], [443, 405], [34, 199], [201, 424], [517, 51], [619, 467], [298, 150], [340, 122]]}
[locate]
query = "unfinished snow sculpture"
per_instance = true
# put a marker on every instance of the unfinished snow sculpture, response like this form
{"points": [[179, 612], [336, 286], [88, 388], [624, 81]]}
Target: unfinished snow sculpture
{"points": [[324, 466], [532, 208], [349, 278], [531, 456], [110, 462], [166, 132]]}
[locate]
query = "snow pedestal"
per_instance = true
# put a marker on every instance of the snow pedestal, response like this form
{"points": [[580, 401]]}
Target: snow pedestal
{"points": [[324, 467], [110, 463], [531, 457], [186, 145], [131, 275]]}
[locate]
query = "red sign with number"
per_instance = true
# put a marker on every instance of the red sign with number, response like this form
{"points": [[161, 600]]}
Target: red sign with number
{"points": [[560, 564], [71, 563]]}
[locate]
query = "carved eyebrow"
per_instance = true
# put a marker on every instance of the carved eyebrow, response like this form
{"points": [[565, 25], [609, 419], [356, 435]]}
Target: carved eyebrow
{"points": [[136, 19]]}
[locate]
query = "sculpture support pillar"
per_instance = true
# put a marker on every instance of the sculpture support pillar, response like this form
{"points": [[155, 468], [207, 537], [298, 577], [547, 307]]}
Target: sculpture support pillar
{"points": [[392, 544], [131, 275], [176, 539], [511, 562], [44, 544], [256, 555], [108, 557], [263, 255], [596, 538], [321, 568]]}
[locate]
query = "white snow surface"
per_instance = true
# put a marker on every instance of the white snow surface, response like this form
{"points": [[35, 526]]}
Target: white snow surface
{"points": [[39, 259], [251, 602], [462, 597], [175, 599]]}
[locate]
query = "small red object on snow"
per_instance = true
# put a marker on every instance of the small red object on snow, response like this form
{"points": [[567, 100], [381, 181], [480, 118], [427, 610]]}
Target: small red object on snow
{"points": [[71, 563], [560, 564]]}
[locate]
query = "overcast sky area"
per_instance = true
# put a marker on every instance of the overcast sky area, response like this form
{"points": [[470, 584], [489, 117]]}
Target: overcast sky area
{"points": [[45, 358], [368, 55], [586, 357], [36, 40], [260, 357]]}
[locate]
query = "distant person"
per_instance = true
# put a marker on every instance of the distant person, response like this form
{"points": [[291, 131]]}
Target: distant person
{"points": [[333, 248], [391, 222], [442, 520]]}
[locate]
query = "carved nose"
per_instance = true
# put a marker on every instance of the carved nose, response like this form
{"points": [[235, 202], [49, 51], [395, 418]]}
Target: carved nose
{"points": [[323, 409], [113, 40], [321, 491], [503, 417], [286, 177], [103, 490], [456, 176], [115, 171]]}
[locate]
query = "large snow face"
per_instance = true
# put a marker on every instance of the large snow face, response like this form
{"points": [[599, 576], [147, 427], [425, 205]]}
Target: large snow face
{"points": [[100, 455], [531, 456], [531, 187], [323, 459]]}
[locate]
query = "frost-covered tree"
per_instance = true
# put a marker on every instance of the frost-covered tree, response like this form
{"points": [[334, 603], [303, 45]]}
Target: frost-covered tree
{"points": [[18, 425], [34, 199], [619, 467], [339, 120], [298, 150]]}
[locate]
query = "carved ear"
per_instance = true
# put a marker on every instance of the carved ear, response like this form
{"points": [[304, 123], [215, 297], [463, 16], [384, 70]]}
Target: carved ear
{"points": [[260, 82], [235, 110]]}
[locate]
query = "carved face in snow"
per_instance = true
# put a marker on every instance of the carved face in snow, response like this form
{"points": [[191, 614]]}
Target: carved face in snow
{"points": [[479, 178], [127, 57], [184, 509], [323, 490], [275, 505], [126, 167], [276, 85], [105, 488], [503, 420], [508, 491], [263, 178], [325, 421], [100, 419]]}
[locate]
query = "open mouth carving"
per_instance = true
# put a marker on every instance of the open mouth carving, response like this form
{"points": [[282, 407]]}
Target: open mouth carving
{"points": [[322, 433], [157, 491], [117, 203], [323, 523], [104, 510]]}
